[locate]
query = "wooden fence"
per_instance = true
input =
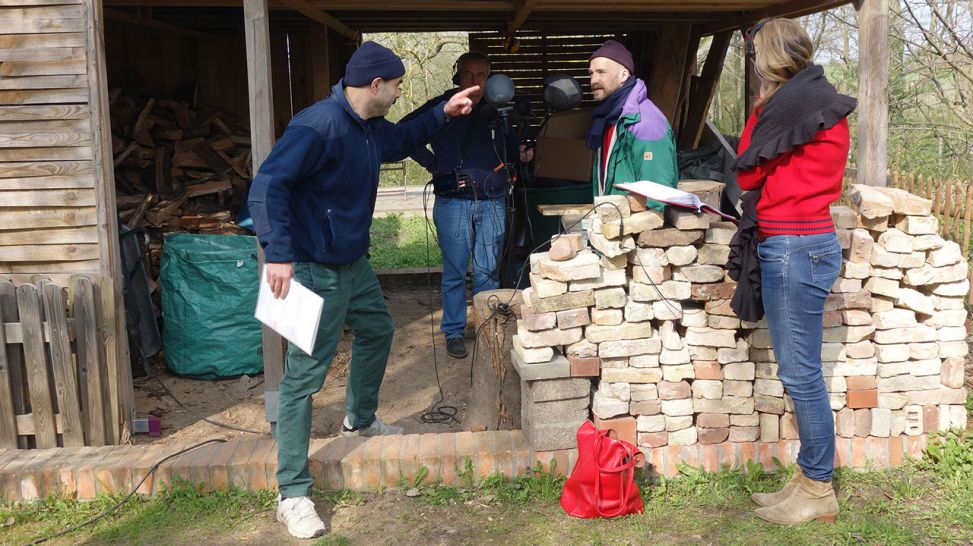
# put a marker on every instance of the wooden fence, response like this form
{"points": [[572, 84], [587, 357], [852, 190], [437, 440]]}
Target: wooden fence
{"points": [[56, 387]]}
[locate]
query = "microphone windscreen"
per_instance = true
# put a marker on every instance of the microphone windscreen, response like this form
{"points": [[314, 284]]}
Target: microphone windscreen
{"points": [[499, 90], [561, 91]]}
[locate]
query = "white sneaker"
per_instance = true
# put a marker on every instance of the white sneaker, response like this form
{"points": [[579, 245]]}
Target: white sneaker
{"points": [[377, 428], [301, 518]]}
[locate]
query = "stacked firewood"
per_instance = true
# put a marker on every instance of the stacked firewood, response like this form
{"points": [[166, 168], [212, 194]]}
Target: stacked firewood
{"points": [[177, 169]]}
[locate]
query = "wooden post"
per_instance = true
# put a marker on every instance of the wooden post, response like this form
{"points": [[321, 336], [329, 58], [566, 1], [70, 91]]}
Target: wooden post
{"points": [[257, 28], [751, 84], [700, 102], [318, 65], [667, 80], [873, 95], [110, 260]]}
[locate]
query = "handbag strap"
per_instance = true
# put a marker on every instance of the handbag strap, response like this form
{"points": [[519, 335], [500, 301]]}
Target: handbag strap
{"points": [[632, 457]]}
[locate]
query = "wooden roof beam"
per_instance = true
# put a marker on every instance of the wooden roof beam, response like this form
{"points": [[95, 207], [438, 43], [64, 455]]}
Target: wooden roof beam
{"points": [[523, 12], [794, 8], [323, 17], [126, 17]]}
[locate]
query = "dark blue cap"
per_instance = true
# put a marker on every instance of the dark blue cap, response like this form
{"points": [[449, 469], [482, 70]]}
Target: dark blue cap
{"points": [[371, 61]]}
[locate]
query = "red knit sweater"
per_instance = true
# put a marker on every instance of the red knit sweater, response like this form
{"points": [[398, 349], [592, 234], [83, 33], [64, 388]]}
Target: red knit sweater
{"points": [[799, 186]]}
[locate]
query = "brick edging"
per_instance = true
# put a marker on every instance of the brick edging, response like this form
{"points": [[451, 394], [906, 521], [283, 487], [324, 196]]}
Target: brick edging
{"points": [[373, 463]]}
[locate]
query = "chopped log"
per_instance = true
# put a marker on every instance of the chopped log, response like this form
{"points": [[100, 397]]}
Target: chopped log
{"points": [[136, 219]]}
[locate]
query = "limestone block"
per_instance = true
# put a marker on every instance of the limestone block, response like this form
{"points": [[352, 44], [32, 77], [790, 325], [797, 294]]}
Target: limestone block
{"points": [[668, 237], [610, 298], [681, 255], [870, 202], [607, 317], [636, 223], [585, 265], [607, 278]]}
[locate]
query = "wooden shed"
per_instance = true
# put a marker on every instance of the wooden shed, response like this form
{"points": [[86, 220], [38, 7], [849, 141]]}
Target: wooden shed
{"points": [[57, 199]]}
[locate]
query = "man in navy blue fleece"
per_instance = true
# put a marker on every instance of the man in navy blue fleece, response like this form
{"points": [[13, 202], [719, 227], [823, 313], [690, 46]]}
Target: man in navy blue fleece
{"points": [[466, 164], [312, 203]]}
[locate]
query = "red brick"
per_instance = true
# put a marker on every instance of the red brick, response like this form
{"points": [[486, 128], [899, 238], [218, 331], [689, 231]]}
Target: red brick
{"points": [[713, 435], [915, 446], [877, 451], [656, 458], [409, 457], [87, 470], [712, 420], [895, 450], [708, 369], [861, 382], [690, 455], [623, 426], [485, 463], [863, 422], [559, 460], [329, 456], [673, 458], [237, 467], [863, 399], [257, 465], [429, 456], [842, 452], [728, 455], [653, 439], [858, 452], [391, 459], [218, 474], [930, 418], [645, 407], [585, 366], [669, 390], [270, 467], [832, 319], [766, 452], [520, 453], [711, 458], [504, 453]]}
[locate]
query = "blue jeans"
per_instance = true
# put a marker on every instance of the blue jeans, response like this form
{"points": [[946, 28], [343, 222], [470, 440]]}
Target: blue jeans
{"points": [[796, 274], [466, 226]]}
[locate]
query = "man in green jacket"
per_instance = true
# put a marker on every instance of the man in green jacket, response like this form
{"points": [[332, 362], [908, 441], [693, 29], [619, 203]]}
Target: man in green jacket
{"points": [[631, 136]]}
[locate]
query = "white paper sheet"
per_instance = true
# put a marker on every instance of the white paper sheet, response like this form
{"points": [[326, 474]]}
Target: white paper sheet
{"points": [[295, 317]]}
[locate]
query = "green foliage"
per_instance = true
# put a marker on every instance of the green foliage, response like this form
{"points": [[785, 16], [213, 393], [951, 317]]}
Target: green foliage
{"points": [[950, 453]]}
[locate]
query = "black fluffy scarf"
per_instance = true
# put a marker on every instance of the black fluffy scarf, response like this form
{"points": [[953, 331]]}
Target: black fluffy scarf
{"points": [[804, 105]]}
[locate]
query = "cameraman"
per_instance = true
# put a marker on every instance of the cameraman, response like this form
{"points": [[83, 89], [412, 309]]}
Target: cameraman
{"points": [[471, 184]]}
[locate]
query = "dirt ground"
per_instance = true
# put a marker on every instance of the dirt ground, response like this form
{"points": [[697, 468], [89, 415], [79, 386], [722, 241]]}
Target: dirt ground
{"points": [[409, 389]]}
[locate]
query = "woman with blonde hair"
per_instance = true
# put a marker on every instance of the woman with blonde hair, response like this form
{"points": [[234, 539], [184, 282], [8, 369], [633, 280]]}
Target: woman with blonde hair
{"points": [[793, 152]]}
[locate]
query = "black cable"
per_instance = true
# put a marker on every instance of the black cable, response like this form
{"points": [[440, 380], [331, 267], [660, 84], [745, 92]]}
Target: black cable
{"points": [[205, 419], [127, 497], [439, 413]]}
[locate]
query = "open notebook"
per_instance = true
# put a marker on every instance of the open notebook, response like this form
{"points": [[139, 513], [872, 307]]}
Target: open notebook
{"points": [[671, 196]]}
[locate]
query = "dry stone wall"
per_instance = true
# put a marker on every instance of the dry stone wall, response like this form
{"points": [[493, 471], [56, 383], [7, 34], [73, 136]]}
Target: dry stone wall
{"points": [[630, 323]]}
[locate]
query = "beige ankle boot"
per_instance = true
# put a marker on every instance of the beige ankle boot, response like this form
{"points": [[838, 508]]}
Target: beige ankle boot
{"points": [[770, 499], [810, 500]]}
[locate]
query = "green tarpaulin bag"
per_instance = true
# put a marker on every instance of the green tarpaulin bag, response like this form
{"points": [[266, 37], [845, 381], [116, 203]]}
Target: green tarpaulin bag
{"points": [[209, 292]]}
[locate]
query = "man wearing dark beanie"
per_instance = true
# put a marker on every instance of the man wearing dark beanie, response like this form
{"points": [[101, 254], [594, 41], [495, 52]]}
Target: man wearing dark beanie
{"points": [[312, 203], [631, 136]]}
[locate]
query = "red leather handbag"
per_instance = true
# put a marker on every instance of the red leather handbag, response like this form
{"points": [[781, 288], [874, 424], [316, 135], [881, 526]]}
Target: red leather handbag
{"points": [[602, 483]]}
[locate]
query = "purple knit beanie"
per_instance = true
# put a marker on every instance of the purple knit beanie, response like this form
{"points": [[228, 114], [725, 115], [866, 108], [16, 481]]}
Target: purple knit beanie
{"points": [[615, 51], [371, 61]]}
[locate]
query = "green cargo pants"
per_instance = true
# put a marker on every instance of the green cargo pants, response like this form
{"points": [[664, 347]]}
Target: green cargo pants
{"points": [[351, 295]]}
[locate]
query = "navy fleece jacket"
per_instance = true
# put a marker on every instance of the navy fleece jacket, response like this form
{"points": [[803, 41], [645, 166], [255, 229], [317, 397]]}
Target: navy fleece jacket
{"points": [[482, 154], [313, 197]]}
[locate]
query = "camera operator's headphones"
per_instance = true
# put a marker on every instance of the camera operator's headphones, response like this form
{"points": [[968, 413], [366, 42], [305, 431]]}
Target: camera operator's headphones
{"points": [[468, 56]]}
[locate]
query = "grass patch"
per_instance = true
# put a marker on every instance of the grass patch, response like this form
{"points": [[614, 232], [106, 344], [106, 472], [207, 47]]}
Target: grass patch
{"points": [[400, 241], [918, 503], [181, 510]]}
